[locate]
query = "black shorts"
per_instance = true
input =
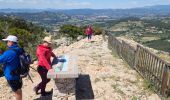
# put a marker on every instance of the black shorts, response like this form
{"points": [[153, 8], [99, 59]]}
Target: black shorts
{"points": [[15, 84]]}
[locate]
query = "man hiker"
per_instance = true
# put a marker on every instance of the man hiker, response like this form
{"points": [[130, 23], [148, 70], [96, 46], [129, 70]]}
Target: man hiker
{"points": [[44, 54], [11, 65]]}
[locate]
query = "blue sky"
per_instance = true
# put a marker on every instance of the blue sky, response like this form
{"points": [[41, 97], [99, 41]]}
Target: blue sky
{"points": [[75, 4]]}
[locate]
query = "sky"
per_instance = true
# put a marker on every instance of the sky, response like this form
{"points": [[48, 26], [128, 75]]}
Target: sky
{"points": [[79, 4]]}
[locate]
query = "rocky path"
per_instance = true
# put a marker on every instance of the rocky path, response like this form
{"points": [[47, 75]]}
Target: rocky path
{"points": [[103, 75]]}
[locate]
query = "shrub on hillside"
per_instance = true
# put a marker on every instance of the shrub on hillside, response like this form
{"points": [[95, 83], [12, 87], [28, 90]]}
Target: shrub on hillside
{"points": [[97, 31], [3, 47], [23, 35], [74, 31], [71, 31], [29, 34]]}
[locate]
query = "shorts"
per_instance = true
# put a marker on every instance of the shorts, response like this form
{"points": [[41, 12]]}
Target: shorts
{"points": [[15, 84]]}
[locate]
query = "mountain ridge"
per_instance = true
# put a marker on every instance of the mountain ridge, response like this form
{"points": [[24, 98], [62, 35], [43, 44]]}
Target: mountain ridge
{"points": [[162, 8]]}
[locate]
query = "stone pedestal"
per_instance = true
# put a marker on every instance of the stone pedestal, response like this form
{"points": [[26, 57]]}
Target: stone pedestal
{"points": [[64, 89], [64, 72]]}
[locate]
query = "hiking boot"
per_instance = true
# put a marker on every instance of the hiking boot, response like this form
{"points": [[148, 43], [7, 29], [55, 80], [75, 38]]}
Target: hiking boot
{"points": [[46, 93]]}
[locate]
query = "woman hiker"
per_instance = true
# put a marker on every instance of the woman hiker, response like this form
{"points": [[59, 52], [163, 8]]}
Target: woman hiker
{"points": [[44, 54], [89, 32]]}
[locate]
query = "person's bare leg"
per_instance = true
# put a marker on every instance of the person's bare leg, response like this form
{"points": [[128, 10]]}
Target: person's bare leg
{"points": [[18, 94]]}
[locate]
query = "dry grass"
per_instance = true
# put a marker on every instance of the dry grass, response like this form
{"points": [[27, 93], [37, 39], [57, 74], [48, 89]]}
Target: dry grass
{"points": [[146, 39], [165, 57]]}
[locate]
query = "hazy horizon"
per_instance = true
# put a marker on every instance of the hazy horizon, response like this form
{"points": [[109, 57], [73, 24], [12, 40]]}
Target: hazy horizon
{"points": [[79, 4]]}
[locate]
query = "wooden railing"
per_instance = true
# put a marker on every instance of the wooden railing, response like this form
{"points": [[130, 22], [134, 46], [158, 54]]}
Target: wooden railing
{"points": [[149, 65]]}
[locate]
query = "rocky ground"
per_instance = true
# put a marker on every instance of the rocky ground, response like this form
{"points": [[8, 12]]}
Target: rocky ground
{"points": [[103, 75]]}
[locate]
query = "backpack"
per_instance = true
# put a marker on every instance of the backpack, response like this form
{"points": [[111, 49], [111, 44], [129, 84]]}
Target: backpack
{"points": [[25, 61]]}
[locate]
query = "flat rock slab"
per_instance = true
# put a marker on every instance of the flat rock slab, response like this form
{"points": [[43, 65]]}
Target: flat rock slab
{"points": [[63, 67]]}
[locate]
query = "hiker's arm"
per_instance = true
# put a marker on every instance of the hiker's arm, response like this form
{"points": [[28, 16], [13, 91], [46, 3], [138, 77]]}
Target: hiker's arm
{"points": [[53, 55], [3, 58], [86, 31]]}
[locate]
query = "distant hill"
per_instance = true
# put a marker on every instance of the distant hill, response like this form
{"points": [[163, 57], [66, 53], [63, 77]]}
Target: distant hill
{"points": [[159, 10], [55, 16], [9, 10], [42, 17], [143, 11]]}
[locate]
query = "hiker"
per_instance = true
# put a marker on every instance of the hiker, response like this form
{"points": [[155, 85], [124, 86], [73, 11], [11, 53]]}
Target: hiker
{"points": [[89, 32], [11, 65], [44, 53]]}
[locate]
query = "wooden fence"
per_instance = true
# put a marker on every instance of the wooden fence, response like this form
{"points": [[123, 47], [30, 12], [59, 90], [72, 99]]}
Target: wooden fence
{"points": [[150, 66]]}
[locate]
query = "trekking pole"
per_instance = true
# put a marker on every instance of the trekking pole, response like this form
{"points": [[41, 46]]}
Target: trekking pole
{"points": [[33, 68], [30, 78]]}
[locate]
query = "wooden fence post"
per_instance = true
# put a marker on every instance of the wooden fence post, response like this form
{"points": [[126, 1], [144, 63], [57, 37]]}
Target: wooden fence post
{"points": [[109, 41], [165, 81], [136, 57]]}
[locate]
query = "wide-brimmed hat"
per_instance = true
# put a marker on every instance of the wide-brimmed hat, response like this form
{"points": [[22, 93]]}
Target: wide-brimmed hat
{"points": [[11, 38], [47, 39]]}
